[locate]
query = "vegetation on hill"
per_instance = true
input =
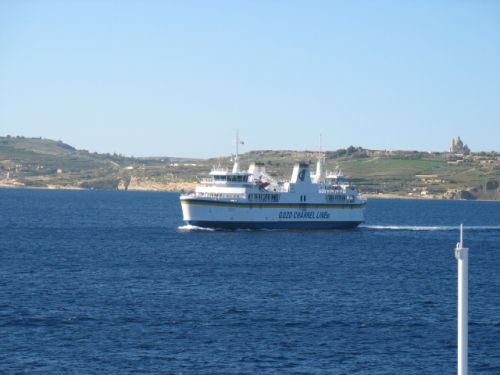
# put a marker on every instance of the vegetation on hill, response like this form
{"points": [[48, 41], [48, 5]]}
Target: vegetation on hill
{"points": [[37, 162]]}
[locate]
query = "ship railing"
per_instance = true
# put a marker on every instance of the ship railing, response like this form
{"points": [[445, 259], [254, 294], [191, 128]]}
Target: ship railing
{"points": [[338, 190], [264, 197], [211, 181], [340, 197], [278, 189], [220, 196]]}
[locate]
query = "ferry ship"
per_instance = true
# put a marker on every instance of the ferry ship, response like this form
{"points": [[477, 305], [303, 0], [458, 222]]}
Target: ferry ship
{"points": [[251, 199]]}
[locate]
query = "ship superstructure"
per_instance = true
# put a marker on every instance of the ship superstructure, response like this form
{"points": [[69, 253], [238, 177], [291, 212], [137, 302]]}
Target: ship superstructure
{"points": [[251, 199]]}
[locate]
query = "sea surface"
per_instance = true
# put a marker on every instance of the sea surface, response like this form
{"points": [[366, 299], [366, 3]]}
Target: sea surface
{"points": [[97, 282]]}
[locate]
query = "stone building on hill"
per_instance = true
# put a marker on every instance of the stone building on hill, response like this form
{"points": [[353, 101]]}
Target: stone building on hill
{"points": [[458, 147]]}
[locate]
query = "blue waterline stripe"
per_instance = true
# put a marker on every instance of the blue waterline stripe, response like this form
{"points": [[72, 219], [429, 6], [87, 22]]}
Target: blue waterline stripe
{"points": [[274, 224], [270, 205]]}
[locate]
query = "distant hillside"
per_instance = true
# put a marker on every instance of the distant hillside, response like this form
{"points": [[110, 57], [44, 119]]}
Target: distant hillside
{"points": [[37, 162], [52, 155]]}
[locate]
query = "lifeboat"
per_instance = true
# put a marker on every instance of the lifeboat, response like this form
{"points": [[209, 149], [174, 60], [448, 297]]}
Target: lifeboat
{"points": [[264, 184]]}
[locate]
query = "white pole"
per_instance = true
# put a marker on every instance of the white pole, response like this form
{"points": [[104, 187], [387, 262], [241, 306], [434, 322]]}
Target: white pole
{"points": [[237, 142], [462, 256], [236, 165]]}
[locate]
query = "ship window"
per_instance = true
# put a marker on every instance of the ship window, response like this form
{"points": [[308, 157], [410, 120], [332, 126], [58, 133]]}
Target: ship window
{"points": [[237, 178], [264, 197]]}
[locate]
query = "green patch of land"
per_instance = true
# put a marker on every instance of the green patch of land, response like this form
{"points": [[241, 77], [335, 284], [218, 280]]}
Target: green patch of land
{"points": [[45, 163]]}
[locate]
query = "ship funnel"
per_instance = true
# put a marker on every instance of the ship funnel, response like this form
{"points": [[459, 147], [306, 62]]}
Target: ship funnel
{"points": [[257, 170], [301, 174], [236, 165], [320, 173]]}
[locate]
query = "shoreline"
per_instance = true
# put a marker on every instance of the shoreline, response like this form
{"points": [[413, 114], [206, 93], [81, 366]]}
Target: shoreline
{"points": [[398, 196], [173, 188]]}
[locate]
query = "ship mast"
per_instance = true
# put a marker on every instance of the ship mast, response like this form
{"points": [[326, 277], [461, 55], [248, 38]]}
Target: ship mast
{"points": [[236, 165], [320, 176]]}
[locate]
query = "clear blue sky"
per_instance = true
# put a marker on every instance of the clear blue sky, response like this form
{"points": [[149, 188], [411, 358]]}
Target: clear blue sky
{"points": [[177, 78]]}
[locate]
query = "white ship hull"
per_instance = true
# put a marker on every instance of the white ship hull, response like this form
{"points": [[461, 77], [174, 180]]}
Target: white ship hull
{"points": [[244, 215], [254, 200]]}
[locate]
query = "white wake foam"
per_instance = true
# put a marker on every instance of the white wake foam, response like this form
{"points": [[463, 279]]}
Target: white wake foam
{"points": [[426, 228], [188, 228], [430, 228]]}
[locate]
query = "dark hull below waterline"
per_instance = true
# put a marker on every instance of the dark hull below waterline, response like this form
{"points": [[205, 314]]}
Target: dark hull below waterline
{"points": [[305, 225]]}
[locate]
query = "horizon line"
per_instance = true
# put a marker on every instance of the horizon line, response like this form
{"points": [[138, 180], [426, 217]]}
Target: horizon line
{"points": [[255, 150]]}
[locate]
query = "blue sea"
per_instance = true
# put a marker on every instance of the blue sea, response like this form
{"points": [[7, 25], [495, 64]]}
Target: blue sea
{"points": [[101, 282]]}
